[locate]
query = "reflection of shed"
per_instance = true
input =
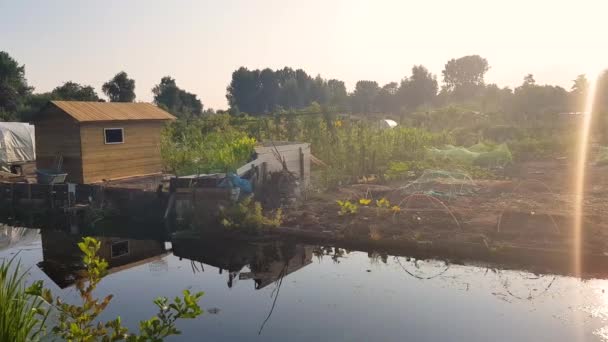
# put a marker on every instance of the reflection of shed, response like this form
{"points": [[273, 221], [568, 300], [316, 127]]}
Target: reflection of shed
{"points": [[268, 270], [267, 262], [62, 257], [99, 140]]}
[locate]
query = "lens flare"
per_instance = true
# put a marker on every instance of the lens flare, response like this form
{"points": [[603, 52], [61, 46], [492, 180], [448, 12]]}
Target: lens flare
{"points": [[579, 186], [579, 192]]}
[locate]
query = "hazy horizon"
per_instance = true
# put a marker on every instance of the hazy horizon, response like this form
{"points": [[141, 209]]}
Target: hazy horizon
{"points": [[201, 44]]}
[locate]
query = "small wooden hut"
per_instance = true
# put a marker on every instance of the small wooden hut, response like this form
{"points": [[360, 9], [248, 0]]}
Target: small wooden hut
{"points": [[99, 141]]}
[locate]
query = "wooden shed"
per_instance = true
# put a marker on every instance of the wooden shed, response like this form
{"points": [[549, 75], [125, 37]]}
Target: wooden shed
{"points": [[100, 140], [270, 155], [295, 154]]}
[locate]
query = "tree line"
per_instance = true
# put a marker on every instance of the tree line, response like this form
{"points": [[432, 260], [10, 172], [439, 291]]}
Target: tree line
{"points": [[18, 101], [266, 91], [259, 92]]}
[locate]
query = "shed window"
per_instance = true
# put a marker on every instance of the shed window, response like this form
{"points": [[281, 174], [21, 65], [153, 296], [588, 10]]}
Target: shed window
{"points": [[114, 135], [120, 248]]}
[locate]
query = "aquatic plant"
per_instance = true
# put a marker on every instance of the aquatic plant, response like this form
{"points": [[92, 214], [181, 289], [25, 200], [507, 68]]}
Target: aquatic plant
{"points": [[22, 317], [248, 215], [77, 322]]}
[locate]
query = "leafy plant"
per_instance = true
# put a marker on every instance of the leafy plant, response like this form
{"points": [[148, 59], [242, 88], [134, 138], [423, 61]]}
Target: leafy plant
{"points": [[365, 201], [529, 148], [383, 203], [248, 215], [22, 317], [202, 147], [77, 322], [347, 208], [406, 169]]}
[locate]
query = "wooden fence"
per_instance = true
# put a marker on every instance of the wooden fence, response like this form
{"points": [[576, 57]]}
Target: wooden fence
{"points": [[71, 199]]}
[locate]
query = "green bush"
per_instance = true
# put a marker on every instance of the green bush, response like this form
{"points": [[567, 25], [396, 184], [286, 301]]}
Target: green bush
{"points": [[403, 170], [78, 322], [247, 216], [529, 148], [201, 147]]}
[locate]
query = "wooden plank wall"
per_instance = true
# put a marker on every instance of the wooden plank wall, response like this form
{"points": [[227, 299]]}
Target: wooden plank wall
{"points": [[138, 155], [58, 134], [124, 201]]}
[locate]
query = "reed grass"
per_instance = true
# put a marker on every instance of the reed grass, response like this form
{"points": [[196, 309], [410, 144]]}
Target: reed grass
{"points": [[19, 319]]}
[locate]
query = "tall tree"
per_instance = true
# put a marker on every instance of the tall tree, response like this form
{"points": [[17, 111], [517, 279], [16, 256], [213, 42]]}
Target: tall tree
{"points": [[243, 90], [532, 102], [418, 89], [529, 81], [386, 101], [601, 107], [71, 91], [288, 96], [464, 77], [601, 98], [120, 88], [495, 99], [268, 93], [363, 98], [177, 101], [319, 91], [13, 86], [258, 92], [578, 93], [304, 83], [338, 97]]}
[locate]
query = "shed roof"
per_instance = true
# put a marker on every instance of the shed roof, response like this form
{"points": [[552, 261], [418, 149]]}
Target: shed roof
{"points": [[84, 111]]}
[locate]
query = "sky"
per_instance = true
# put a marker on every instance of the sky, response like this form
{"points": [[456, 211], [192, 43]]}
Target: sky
{"points": [[200, 43]]}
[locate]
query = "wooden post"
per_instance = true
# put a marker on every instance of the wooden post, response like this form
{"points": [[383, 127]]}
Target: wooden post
{"points": [[254, 178], [51, 197], [363, 170], [373, 167], [264, 172], [170, 205], [301, 165]]}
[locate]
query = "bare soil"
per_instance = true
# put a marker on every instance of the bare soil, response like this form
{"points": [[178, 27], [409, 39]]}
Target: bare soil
{"points": [[532, 210]]}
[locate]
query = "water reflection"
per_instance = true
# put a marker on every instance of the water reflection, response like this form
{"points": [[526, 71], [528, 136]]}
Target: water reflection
{"points": [[263, 262], [62, 259], [288, 291], [11, 237]]}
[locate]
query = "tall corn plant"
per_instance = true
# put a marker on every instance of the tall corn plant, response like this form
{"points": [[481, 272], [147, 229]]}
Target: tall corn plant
{"points": [[21, 315]]}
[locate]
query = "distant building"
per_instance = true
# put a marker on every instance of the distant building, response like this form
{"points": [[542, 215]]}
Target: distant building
{"points": [[98, 141]]}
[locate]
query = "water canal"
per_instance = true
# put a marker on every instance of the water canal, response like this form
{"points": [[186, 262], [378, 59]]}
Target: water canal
{"points": [[283, 291]]}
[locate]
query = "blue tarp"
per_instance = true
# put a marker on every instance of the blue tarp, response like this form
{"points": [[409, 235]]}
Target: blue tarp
{"points": [[232, 180]]}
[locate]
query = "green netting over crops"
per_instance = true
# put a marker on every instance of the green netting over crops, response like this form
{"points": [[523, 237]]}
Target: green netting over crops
{"points": [[441, 184], [602, 156], [479, 155]]}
